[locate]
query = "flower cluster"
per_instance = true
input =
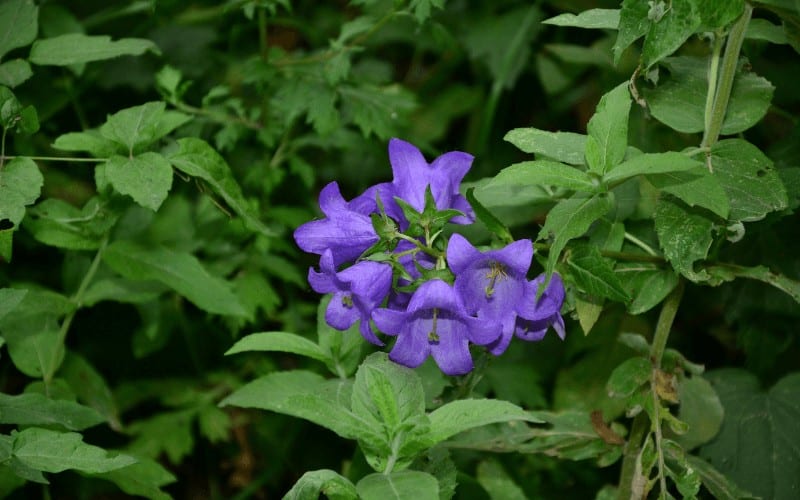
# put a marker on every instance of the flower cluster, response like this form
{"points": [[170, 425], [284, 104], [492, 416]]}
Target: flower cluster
{"points": [[385, 260]]}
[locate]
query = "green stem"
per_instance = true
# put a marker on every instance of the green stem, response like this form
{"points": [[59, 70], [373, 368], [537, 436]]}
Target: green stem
{"points": [[426, 249], [641, 244], [3, 149], [77, 301], [668, 310], [639, 429], [713, 72], [262, 33], [725, 83]]}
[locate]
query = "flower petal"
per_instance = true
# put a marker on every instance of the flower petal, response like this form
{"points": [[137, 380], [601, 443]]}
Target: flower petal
{"points": [[436, 294], [410, 350], [331, 199], [340, 315], [452, 351], [461, 254], [460, 203], [389, 321], [548, 304], [453, 165], [515, 256], [410, 172], [366, 331]]}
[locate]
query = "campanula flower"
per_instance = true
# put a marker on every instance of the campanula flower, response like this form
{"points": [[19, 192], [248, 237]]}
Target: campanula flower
{"points": [[437, 324], [537, 315], [357, 291], [346, 229], [413, 175], [492, 284]]}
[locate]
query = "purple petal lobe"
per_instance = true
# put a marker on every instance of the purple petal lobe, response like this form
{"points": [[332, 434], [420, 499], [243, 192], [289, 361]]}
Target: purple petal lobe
{"points": [[341, 313]]}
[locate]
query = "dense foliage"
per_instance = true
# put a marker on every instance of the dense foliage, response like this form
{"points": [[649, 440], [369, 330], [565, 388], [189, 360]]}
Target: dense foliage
{"points": [[553, 241]]}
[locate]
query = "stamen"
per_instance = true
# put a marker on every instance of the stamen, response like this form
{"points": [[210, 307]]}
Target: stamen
{"points": [[433, 337], [495, 270], [347, 301]]}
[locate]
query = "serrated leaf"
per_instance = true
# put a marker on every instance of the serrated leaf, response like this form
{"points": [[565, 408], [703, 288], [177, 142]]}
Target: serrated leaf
{"points": [[652, 163], [679, 102], [169, 433], [717, 14], [37, 409], [608, 130], [403, 485], [181, 272], [52, 451], [628, 377], [422, 8], [594, 274], [386, 392], [566, 147], [326, 482], [684, 235], [695, 187], [570, 219], [461, 415], [57, 223], [717, 484], [14, 72], [90, 141], [749, 178], [543, 173], [197, 158], [591, 19], [377, 109], [77, 48], [137, 127], [144, 478], [20, 185], [305, 395], [667, 34], [147, 178], [761, 430], [646, 284], [18, 24], [280, 342], [314, 99], [494, 479]]}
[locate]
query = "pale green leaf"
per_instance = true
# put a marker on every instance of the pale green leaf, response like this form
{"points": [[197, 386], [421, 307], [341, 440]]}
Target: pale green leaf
{"points": [[566, 147], [591, 19], [326, 482], [461, 415], [180, 271], [594, 274], [90, 387], [20, 185], [684, 235], [762, 29], [608, 130], [14, 72], [52, 451], [137, 127], [90, 141], [147, 178], [628, 377], [667, 34], [18, 24], [144, 478], [651, 163], [37, 409], [57, 223], [341, 348], [543, 173], [403, 485], [701, 409], [633, 24], [77, 48], [9, 299], [280, 342], [647, 284], [695, 187]]}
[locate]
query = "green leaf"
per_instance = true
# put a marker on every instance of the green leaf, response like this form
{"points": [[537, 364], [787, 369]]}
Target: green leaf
{"points": [[326, 482], [341, 348], [144, 478], [594, 274], [695, 187], [9, 299], [197, 158], [147, 178], [315, 99], [437, 462], [652, 163], [278, 341], [761, 29], [422, 8], [90, 141], [684, 235], [77, 48], [717, 484], [728, 272], [566, 147], [57, 223], [494, 479], [570, 219], [628, 377], [761, 430], [387, 393], [403, 485], [461, 415], [167, 433], [633, 24], [377, 110], [667, 34], [543, 172], [700, 409], [647, 284], [90, 387], [748, 177], [138, 127], [717, 14], [679, 102], [37, 409], [52, 451], [18, 24], [118, 289], [14, 72], [305, 395], [591, 19], [20, 185], [491, 222], [180, 271], [608, 130]]}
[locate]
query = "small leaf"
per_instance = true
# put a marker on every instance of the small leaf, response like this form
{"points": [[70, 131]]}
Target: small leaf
{"points": [[594, 274], [647, 285], [14, 72], [626, 379], [608, 130], [403, 485], [652, 163], [37, 409], [57, 223], [566, 147], [278, 341], [18, 24], [147, 178], [136, 127], [77, 48], [326, 482], [90, 387], [685, 236], [144, 478], [461, 415], [494, 479], [543, 173], [376, 109], [180, 271], [20, 185], [341, 348], [9, 299], [591, 19], [717, 484], [52, 451]]}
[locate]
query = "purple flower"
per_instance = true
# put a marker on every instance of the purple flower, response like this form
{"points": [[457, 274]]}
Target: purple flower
{"points": [[434, 323], [346, 229], [492, 284], [538, 315], [357, 291], [413, 175]]}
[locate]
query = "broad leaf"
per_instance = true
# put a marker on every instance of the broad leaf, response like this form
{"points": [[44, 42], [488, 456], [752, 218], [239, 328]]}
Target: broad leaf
{"points": [[9, 299], [180, 271], [633, 24], [594, 274], [138, 127], [77, 48], [566, 147], [684, 235], [679, 21], [90, 387], [543, 173], [608, 130], [144, 478], [37, 409], [197, 158], [147, 178], [280, 342], [701, 409], [57, 223], [652, 163], [326, 482], [403, 485], [90, 141], [20, 185], [696, 187], [592, 19], [14, 72], [18, 24], [461, 415], [761, 430], [52, 451], [628, 377]]}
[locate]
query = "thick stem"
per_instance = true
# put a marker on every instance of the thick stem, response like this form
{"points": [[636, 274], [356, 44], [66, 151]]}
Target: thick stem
{"points": [[639, 429], [668, 310], [713, 73]]}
